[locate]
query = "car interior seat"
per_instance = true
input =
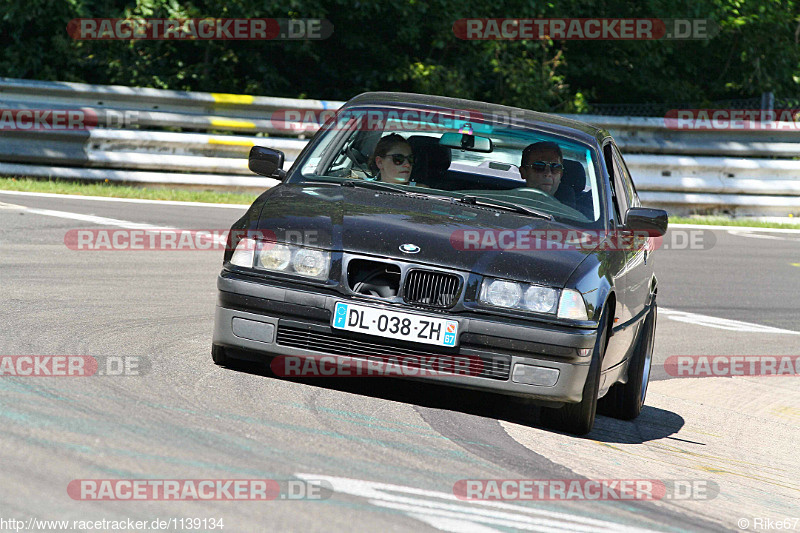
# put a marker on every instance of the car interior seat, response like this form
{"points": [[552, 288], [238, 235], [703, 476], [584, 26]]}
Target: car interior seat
{"points": [[431, 160], [574, 178], [571, 190]]}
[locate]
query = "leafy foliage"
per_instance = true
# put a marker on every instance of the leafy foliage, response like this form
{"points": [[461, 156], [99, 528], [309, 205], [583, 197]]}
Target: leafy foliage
{"points": [[409, 45]]}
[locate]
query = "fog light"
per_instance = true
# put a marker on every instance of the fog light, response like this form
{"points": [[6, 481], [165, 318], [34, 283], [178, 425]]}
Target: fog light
{"points": [[535, 375]]}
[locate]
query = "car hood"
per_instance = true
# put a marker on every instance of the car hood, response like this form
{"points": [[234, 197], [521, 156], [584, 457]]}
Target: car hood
{"points": [[378, 223]]}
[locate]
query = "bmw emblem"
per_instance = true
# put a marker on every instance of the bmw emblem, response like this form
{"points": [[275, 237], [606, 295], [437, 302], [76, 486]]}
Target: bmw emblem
{"points": [[409, 248]]}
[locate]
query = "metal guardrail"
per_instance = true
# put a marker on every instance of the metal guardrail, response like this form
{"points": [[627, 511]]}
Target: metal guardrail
{"points": [[131, 150], [649, 135], [740, 171], [139, 150], [157, 108]]}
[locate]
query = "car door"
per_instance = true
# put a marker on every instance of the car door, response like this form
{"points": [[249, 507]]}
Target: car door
{"points": [[619, 342], [639, 264]]}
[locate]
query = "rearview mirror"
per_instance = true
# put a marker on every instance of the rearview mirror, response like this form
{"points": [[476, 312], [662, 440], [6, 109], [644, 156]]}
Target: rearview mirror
{"points": [[652, 221], [464, 141], [267, 162]]}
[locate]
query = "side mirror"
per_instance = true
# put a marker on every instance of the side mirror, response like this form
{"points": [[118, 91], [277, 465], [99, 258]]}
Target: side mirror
{"points": [[652, 221], [267, 162]]}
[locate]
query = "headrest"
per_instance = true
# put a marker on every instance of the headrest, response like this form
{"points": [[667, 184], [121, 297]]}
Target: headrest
{"points": [[432, 158], [574, 175]]}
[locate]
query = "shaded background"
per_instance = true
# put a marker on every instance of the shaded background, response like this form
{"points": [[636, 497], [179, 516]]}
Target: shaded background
{"points": [[410, 46]]}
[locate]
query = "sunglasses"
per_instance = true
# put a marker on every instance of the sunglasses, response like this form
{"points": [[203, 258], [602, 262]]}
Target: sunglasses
{"points": [[399, 159], [541, 166]]}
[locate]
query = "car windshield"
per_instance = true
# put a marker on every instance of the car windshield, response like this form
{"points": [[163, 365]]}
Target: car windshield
{"points": [[462, 157]]}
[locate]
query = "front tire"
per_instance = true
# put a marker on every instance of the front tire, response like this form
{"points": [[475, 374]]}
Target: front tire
{"points": [[578, 418], [625, 401]]}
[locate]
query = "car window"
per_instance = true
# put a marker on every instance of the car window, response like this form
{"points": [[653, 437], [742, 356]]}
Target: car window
{"points": [[627, 181], [624, 200], [337, 162], [617, 196], [345, 150]]}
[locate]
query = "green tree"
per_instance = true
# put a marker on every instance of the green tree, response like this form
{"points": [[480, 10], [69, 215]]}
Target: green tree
{"points": [[410, 46]]}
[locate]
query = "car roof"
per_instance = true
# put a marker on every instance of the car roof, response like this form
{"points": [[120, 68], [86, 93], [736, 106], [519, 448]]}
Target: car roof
{"points": [[570, 127]]}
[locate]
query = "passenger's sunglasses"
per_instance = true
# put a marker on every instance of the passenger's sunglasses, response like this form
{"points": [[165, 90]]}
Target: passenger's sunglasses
{"points": [[399, 159], [541, 166]]}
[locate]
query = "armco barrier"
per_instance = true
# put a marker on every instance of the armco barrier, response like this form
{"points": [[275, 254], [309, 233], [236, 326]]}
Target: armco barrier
{"points": [[139, 150], [157, 107], [746, 172]]}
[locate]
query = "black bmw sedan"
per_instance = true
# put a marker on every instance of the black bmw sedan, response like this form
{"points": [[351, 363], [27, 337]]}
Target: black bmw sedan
{"points": [[414, 229]]}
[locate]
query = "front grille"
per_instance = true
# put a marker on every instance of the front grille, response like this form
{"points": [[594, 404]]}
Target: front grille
{"points": [[431, 289], [493, 367]]}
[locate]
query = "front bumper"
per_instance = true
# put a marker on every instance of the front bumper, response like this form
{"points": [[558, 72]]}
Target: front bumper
{"points": [[543, 362]]}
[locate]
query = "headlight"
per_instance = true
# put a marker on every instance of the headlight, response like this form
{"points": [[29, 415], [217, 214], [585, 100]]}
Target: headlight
{"points": [[292, 259], [541, 299], [501, 293], [244, 253], [313, 263], [524, 296], [274, 256], [571, 305]]}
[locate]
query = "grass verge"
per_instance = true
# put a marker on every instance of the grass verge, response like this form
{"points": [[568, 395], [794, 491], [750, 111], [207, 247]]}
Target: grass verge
{"points": [[124, 191], [735, 222]]}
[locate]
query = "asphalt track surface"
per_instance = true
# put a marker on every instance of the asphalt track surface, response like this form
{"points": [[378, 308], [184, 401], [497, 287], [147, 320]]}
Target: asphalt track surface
{"points": [[391, 450]]}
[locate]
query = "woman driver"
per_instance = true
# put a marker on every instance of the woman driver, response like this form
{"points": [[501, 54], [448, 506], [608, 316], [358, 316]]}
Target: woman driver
{"points": [[392, 160]]}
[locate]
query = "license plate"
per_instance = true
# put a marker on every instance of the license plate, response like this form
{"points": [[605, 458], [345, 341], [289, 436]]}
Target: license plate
{"points": [[395, 325]]}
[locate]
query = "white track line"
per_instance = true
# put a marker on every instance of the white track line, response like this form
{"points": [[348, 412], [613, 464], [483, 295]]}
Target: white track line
{"points": [[446, 512], [760, 235], [735, 228], [245, 206], [722, 323], [103, 221]]}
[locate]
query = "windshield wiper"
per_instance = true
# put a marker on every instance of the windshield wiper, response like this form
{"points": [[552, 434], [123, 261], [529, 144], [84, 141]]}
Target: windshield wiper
{"points": [[380, 186], [375, 185], [491, 202], [316, 182]]}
